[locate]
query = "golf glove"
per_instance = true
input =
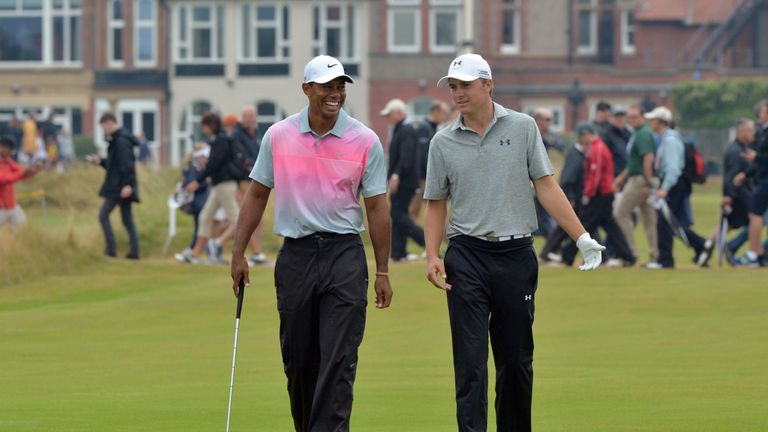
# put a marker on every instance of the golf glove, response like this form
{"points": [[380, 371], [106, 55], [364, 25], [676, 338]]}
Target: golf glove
{"points": [[590, 250]]}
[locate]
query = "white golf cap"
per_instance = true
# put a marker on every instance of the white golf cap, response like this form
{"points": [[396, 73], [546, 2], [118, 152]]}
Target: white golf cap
{"points": [[467, 67], [393, 105], [323, 69], [659, 113]]}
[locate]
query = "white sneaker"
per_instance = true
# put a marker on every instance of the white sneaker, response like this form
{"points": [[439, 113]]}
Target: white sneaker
{"points": [[553, 257], [614, 263], [187, 257], [653, 265], [257, 259]]}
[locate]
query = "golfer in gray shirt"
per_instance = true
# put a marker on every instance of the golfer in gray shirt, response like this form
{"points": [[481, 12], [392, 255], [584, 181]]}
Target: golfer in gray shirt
{"points": [[486, 165]]}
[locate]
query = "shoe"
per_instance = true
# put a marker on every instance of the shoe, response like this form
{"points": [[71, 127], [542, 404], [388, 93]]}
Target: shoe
{"points": [[703, 257], [747, 261], [132, 256], [653, 265], [407, 258], [551, 256], [111, 254], [614, 263], [257, 259], [187, 257]]}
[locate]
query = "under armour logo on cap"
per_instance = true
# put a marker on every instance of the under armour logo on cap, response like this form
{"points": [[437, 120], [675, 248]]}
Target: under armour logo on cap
{"points": [[467, 67], [323, 69]]}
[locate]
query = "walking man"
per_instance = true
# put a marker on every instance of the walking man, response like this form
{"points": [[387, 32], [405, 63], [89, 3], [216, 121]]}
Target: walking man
{"points": [[120, 186], [638, 182], [319, 161], [675, 188], [484, 163], [403, 179]]}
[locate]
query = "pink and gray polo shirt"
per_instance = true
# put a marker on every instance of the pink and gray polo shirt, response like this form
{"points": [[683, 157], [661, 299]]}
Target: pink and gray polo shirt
{"points": [[317, 180]]}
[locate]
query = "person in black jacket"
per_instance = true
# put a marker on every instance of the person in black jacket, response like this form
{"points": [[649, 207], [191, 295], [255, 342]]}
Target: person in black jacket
{"points": [[572, 183], [120, 187], [223, 176], [616, 136], [246, 146], [755, 256], [404, 174]]}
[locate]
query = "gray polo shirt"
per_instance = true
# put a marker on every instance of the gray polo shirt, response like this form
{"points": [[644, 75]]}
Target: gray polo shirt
{"points": [[487, 179]]}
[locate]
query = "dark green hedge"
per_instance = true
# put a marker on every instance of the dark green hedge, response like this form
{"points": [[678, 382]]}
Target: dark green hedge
{"points": [[717, 104]]}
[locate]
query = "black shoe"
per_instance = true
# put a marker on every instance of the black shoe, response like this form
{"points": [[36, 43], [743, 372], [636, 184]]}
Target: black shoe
{"points": [[702, 258], [110, 254], [132, 256]]}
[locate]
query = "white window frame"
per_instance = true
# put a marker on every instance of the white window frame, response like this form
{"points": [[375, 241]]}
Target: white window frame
{"points": [[626, 30], [590, 49], [444, 2], [217, 55], [255, 24], [405, 2], [114, 24], [403, 49], [433, 46], [319, 45], [272, 119], [138, 24], [46, 14], [513, 48]]}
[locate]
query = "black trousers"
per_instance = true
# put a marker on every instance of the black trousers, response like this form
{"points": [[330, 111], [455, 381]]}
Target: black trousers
{"points": [[322, 283], [126, 215], [676, 201], [493, 289], [403, 226]]}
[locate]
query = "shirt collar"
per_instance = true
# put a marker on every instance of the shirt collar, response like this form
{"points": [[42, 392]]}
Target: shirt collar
{"points": [[338, 128], [498, 112]]}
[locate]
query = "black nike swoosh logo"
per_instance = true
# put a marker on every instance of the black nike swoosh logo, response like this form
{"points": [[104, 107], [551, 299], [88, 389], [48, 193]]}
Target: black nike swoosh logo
{"points": [[331, 65]]}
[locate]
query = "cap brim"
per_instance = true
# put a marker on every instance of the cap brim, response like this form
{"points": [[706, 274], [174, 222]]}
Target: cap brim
{"points": [[329, 78], [461, 77], [649, 117]]}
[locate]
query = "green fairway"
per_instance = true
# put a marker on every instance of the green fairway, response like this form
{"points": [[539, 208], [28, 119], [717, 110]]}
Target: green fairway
{"points": [[95, 344], [147, 346]]}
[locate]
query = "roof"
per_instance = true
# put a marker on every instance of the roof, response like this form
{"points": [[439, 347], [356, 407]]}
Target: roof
{"points": [[694, 12]]}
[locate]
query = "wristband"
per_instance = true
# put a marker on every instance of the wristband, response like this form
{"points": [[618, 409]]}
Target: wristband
{"points": [[382, 274]]}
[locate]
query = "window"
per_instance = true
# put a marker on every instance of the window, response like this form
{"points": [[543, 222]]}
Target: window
{"points": [[627, 32], [116, 27], [510, 27], [199, 33], [334, 31], [419, 108], [403, 28], [269, 114], [266, 33], [444, 25], [41, 32], [145, 24], [587, 27]]}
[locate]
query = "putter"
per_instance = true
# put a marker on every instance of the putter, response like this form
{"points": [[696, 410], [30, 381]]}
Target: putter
{"points": [[722, 232], [234, 352]]}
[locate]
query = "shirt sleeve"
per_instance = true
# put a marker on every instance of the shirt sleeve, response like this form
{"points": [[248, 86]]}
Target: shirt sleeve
{"points": [[263, 170], [645, 144], [437, 185], [539, 164], [375, 176]]}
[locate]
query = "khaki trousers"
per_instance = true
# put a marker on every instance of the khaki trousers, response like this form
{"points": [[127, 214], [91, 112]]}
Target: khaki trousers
{"points": [[631, 198]]}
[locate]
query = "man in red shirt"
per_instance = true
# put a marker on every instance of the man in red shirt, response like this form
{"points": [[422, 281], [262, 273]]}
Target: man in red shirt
{"points": [[597, 199], [10, 211]]}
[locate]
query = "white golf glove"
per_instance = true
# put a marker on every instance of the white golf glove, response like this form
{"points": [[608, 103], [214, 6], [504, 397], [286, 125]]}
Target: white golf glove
{"points": [[590, 250]]}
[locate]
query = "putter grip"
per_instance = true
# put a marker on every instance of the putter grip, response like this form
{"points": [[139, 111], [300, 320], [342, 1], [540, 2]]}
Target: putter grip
{"points": [[241, 292]]}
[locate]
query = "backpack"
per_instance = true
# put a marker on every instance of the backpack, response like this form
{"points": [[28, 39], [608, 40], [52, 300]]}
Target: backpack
{"points": [[241, 160], [694, 170]]}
